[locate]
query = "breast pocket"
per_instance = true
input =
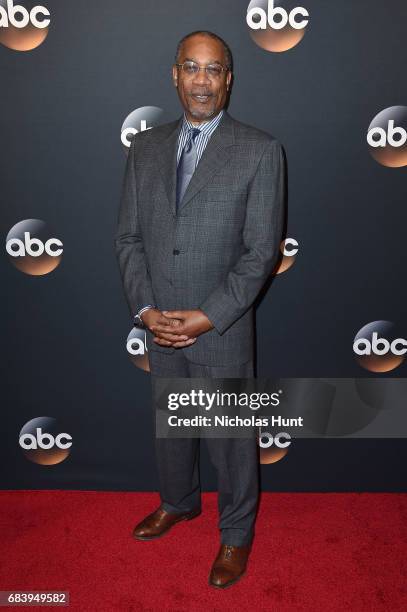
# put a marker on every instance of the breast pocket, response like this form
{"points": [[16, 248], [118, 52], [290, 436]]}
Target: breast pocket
{"points": [[220, 203], [224, 193]]}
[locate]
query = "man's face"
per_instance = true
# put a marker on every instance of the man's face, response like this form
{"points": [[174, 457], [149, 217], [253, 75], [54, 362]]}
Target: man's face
{"points": [[201, 95]]}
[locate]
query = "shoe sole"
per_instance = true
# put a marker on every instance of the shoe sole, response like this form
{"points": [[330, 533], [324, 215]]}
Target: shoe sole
{"points": [[229, 584], [187, 517]]}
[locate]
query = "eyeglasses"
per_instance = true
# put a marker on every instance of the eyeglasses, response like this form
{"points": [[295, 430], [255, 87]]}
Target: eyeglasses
{"points": [[191, 68]]}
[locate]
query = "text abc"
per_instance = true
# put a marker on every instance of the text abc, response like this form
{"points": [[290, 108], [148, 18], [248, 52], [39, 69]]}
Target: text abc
{"points": [[363, 346], [46, 441], [135, 346], [25, 248], [24, 17], [272, 12], [388, 137], [281, 440], [131, 130]]}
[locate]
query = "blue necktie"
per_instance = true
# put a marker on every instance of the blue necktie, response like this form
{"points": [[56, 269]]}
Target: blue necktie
{"points": [[186, 165]]}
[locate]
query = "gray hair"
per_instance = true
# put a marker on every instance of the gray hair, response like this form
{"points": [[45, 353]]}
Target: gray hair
{"points": [[228, 53]]}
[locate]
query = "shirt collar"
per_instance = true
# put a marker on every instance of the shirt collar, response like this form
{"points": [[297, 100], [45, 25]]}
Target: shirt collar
{"points": [[206, 126]]}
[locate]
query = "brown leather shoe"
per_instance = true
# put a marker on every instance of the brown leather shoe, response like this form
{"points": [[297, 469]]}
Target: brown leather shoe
{"points": [[159, 522], [229, 565]]}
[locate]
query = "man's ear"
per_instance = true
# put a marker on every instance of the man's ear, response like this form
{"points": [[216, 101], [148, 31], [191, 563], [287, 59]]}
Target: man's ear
{"points": [[175, 76], [228, 80]]}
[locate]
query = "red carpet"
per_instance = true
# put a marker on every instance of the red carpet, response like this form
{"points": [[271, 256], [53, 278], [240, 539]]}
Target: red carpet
{"points": [[311, 552]]}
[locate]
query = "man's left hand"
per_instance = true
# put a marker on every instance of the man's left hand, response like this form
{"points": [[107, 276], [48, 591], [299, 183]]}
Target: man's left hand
{"points": [[193, 323]]}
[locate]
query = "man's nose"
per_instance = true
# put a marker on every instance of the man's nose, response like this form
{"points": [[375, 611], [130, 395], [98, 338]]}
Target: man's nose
{"points": [[201, 76]]}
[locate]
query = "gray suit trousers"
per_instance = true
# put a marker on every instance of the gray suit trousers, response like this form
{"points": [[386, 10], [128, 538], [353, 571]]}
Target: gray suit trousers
{"points": [[235, 459]]}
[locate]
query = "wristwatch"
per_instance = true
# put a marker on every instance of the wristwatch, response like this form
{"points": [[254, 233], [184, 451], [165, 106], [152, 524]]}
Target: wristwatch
{"points": [[138, 321]]}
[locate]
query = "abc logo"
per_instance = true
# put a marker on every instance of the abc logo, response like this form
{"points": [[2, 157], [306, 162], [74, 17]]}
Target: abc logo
{"points": [[139, 120], [387, 137], [23, 26], [289, 250], [136, 346], [43, 443], [378, 347], [276, 28], [273, 448], [31, 250]]}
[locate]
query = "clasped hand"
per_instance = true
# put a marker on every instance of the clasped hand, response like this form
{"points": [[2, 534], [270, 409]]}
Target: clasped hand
{"points": [[176, 328]]}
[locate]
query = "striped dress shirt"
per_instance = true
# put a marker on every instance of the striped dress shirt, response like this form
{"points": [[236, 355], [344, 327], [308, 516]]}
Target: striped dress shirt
{"points": [[206, 130]]}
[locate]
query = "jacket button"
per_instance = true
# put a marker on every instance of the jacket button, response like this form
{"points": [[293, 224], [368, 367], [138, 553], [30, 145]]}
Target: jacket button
{"points": [[176, 252]]}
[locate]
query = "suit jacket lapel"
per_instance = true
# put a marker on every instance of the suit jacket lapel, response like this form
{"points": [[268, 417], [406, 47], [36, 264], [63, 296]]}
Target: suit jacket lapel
{"points": [[167, 161], [215, 155]]}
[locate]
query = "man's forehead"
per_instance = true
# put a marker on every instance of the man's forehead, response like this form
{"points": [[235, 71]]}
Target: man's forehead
{"points": [[202, 45], [211, 60]]}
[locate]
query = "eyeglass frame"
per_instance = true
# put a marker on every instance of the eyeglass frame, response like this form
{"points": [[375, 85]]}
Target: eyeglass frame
{"points": [[202, 67]]}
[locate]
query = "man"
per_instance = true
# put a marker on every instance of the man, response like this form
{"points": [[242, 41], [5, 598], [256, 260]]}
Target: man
{"points": [[200, 224]]}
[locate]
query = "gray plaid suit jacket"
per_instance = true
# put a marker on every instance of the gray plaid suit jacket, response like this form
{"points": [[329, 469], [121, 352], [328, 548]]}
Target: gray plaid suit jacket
{"points": [[219, 249]]}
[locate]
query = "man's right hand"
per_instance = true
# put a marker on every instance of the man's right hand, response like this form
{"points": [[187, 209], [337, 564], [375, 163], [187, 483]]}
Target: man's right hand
{"points": [[153, 316]]}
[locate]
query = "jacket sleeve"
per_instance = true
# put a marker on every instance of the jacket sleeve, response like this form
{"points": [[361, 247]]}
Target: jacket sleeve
{"points": [[128, 242], [262, 235]]}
